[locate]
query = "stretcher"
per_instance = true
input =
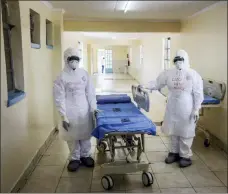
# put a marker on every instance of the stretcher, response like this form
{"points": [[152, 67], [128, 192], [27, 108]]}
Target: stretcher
{"points": [[121, 126], [214, 93]]}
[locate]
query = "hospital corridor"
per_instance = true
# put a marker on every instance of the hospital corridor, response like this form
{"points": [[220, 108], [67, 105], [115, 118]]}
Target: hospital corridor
{"points": [[114, 96]]}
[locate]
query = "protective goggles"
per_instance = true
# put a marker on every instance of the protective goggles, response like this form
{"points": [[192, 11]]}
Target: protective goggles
{"points": [[73, 58], [177, 58]]}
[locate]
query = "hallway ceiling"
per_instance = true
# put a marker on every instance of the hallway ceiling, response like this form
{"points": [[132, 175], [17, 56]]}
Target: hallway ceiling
{"points": [[116, 35], [136, 10]]}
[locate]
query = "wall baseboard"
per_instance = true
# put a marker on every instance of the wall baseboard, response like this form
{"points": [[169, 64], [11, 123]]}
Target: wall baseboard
{"points": [[32, 165]]}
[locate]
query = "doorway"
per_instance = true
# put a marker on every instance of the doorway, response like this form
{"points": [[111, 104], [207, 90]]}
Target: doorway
{"points": [[107, 54]]}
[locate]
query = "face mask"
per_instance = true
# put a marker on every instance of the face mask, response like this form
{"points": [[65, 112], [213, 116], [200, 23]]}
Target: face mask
{"points": [[73, 64], [179, 65]]}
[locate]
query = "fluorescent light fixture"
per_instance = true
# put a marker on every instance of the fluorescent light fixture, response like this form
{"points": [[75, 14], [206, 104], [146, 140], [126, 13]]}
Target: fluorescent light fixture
{"points": [[127, 6], [113, 37]]}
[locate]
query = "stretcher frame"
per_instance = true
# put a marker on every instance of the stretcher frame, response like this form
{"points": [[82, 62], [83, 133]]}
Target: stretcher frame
{"points": [[211, 88], [108, 144]]}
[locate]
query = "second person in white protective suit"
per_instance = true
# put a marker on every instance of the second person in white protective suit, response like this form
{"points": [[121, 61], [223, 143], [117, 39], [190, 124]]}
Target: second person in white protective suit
{"points": [[76, 102], [185, 96]]}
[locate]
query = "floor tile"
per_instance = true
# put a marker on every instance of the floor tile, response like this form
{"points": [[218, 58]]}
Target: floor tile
{"points": [[109, 191], [197, 163], [213, 158], [178, 190], [162, 167], [101, 158], [222, 175], [145, 190], [40, 185], [156, 156], [53, 160], [74, 185], [172, 180], [134, 182], [57, 148], [154, 145], [211, 190], [81, 172], [165, 139], [119, 184], [201, 178], [167, 145], [44, 172]]}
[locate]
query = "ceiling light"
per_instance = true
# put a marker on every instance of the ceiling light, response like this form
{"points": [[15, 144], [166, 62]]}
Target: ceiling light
{"points": [[127, 6], [113, 37]]}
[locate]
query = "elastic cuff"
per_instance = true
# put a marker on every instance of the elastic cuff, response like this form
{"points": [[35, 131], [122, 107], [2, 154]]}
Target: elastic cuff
{"points": [[64, 118]]}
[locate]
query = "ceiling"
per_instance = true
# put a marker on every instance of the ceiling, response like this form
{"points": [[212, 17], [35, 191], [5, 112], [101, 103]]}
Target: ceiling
{"points": [[110, 35], [115, 35], [136, 10]]}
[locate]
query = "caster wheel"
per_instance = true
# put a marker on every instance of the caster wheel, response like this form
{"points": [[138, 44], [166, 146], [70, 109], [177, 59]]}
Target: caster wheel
{"points": [[101, 147], [147, 179], [206, 143], [107, 182]]}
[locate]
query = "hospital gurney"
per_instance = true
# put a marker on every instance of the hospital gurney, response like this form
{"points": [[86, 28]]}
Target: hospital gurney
{"points": [[121, 126], [214, 93]]}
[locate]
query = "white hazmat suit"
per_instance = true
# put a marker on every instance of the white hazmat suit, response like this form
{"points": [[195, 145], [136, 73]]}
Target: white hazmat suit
{"points": [[76, 101], [185, 96]]}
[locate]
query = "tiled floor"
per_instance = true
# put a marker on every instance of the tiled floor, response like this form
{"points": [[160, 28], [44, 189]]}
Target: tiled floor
{"points": [[208, 174], [51, 174]]}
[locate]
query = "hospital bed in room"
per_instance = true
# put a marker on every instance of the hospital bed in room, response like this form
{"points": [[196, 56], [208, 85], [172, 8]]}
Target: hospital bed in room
{"points": [[214, 93], [121, 126]]}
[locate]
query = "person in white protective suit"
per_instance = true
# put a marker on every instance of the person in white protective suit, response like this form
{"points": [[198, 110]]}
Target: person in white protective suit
{"points": [[76, 102], [185, 96]]}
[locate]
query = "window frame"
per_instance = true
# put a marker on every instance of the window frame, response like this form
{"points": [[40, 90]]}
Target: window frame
{"points": [[167, 53], [32, 27], [108, 58], [7, 27], [49, 34], [14, 95]]}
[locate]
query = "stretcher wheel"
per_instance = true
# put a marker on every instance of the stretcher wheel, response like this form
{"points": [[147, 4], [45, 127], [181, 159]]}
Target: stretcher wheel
{"points": [[101, 147], [207, 143], [147, 179], [107, 182]]}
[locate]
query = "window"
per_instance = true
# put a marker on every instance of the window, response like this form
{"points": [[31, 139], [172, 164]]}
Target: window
{"points": [[108, 61], [13, 53], [35, 29], [7, 27], [49, 34], [166, 53]]}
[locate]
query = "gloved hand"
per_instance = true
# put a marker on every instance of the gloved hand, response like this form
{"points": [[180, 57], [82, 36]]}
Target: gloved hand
{"points": [[195, 115], [65, 123], [96, 111]]}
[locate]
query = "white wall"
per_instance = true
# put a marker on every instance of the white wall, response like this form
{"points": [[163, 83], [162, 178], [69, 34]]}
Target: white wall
{"points": [[26, 125], [153, 55], [134, 69]]}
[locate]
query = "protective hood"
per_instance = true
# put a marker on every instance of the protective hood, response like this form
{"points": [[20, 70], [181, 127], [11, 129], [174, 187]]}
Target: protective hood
{"points": [[69, 53], [183, 54]]}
